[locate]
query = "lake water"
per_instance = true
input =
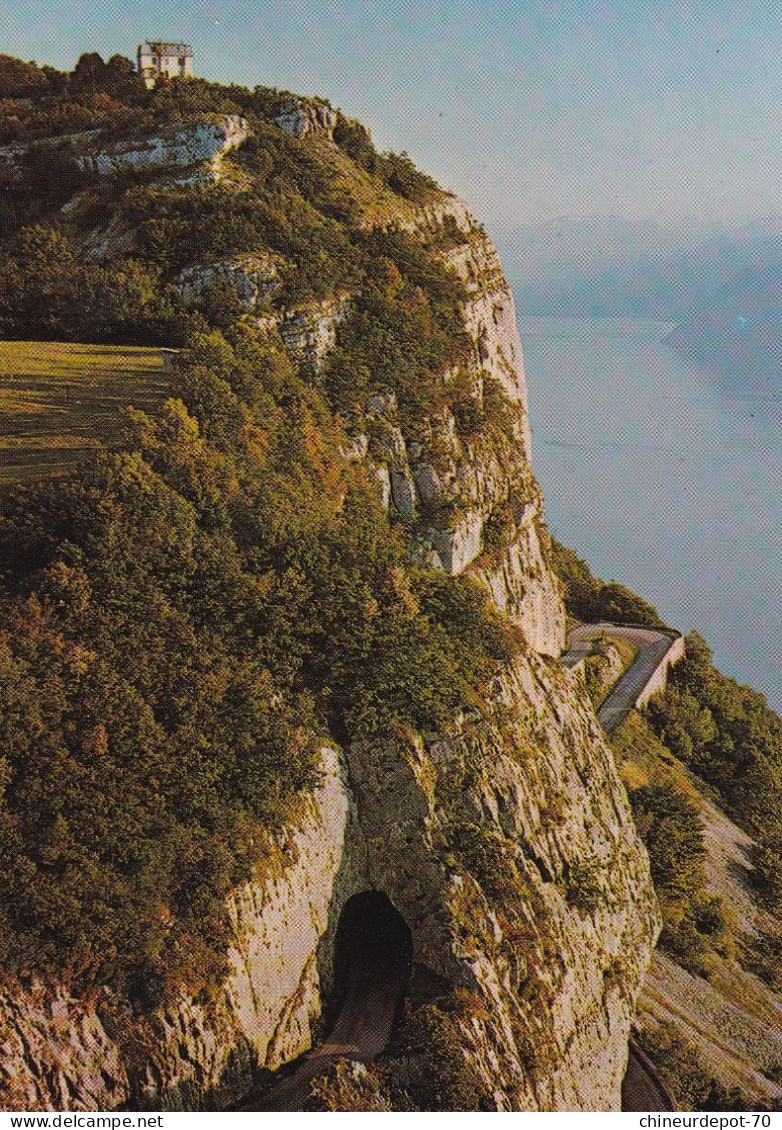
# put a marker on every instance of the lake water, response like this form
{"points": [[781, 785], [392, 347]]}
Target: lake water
{"points": [[664, 477]]}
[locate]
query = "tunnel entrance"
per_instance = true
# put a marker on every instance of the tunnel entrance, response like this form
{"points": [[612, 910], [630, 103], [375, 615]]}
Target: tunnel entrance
{"points": [[373, 946], [373, 952]]}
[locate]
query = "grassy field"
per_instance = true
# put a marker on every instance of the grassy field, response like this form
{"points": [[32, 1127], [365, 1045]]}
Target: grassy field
{"points": [[59, 401]]}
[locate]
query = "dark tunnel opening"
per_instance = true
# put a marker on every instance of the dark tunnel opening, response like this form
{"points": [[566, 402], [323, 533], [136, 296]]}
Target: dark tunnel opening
{"points": [[373, 953], [373, 945]]}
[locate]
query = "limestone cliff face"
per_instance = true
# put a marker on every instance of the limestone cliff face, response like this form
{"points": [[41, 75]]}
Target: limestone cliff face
{"points": [[198, 145], [300, 117], [554, 934], [550, 946], [456, 493], [505, 841], [202, 142]]}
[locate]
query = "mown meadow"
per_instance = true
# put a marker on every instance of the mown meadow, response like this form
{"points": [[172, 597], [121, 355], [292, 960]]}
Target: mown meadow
{"points": [[61, 400]]}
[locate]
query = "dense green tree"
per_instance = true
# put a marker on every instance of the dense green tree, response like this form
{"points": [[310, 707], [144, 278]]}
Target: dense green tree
{"points": [[726, 733], [23, 80], [767, 876], [88, 74], [671, 828], [122, 81], [590, 599]]}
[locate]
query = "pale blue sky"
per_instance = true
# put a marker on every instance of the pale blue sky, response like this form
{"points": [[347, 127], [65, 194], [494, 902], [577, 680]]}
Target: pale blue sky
{"points": [[531, 110]]}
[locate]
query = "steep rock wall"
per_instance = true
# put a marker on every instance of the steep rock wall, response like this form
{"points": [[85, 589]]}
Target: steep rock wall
{"points": [[554, 960], [555, 956], [449, 487]]}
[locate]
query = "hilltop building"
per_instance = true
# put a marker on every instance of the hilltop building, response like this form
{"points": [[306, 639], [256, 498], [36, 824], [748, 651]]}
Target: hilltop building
{"points": [[172, 60]]}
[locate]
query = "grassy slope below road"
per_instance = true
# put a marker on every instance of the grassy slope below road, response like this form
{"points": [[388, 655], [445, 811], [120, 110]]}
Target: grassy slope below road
{"points": [[721, 936], [58, 401], [736, 1008]]}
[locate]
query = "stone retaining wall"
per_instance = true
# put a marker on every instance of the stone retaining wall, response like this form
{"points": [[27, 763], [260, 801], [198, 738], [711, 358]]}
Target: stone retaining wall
{"points": [[659, 677]]}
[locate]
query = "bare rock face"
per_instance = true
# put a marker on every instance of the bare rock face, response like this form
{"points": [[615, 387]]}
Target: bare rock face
{"points": [[510, 850], [603, 667], [310, 332], [201, 142], [471, 499], [252, 278], [301, 117], [54, 1047]]}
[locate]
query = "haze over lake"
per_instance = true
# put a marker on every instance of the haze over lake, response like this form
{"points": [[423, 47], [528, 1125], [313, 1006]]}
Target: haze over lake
{"points": [[665, 477]]}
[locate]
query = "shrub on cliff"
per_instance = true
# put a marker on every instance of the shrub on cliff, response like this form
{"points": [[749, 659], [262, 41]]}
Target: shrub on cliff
{"points": [[45, 102], [404, 331], [590, 599], [397, 171], [435, 1073], [694, 924], [404, 326]]}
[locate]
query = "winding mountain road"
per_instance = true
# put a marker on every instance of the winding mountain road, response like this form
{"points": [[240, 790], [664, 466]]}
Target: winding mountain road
{"points": [[653, 646]]}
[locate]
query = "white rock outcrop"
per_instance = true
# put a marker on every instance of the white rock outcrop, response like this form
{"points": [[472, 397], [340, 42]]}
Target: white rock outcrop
{"points": [[202, 142], [310, 331], [300, 117], [253, 278]]}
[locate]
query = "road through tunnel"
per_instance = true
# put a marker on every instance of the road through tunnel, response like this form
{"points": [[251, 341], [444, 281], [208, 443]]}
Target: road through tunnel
{"points": [[373, 953]]}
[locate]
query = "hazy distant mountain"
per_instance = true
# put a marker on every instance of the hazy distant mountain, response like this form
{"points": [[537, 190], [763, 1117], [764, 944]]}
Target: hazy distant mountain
{"points": [[608, 266], [741, 330]]}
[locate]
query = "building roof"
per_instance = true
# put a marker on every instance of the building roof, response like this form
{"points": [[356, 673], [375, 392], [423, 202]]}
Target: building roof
{"points": [[162, 47]]}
